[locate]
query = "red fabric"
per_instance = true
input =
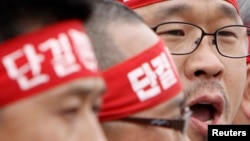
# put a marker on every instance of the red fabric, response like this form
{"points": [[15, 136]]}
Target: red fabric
{"points": [[37, 61], [133, 4], [248, 58], [235, 4], [139, 83]]}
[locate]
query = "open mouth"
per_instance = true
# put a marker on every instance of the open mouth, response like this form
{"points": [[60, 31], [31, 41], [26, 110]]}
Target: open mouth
{"points": [[206, 109], [205, 112]]}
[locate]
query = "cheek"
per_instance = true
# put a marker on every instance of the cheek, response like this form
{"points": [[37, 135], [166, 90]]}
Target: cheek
{"points": [[157, 134], [55, 128], [119, 131], [51, 128], [31, 124], [234, 81], [89, 127], [30, 129], [179, 62]]}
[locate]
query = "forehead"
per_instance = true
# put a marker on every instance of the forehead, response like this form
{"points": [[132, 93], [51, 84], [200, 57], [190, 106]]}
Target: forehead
{"points": [[188, 11], [132, 38]]}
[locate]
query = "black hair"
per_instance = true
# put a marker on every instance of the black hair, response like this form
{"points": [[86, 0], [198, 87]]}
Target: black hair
{"points": [[108, 15], [15, 13]]}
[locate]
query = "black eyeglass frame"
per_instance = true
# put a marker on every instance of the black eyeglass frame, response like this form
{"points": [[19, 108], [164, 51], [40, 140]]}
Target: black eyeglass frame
{"points": [[176, 124], [204, 34]]}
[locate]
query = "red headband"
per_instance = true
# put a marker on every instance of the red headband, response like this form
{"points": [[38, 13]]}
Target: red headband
{"points": [[139, 83], [133, 4], [40, 60], [248, 58]]}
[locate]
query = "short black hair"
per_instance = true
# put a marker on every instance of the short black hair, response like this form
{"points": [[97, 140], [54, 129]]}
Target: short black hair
{"points": [[99, 26], [14, 12]]}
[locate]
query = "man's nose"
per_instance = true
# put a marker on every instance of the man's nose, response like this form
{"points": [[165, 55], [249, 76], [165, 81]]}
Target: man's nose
{"points": [[205, 61]]}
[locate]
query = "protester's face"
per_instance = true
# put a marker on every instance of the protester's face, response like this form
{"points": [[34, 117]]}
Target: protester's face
{"points": [[213, 84], [133, 39], [65, 113]]}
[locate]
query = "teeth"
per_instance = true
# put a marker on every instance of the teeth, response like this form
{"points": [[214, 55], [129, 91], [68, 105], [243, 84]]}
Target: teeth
{"points": [[209, 122]]}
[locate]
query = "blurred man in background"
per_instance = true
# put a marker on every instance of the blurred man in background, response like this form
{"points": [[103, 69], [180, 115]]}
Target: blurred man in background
{"points": [[49, 79], [144, 99]]}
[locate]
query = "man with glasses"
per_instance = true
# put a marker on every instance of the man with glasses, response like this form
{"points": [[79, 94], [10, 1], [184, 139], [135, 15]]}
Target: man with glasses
{"points": [[144, 99], [208, 43]]}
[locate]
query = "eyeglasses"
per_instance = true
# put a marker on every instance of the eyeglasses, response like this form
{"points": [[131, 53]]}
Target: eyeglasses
{"points": [[176, 124], [184, 38]]}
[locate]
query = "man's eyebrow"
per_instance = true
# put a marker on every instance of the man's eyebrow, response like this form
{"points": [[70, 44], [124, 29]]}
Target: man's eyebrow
{"points": [[84, 91]]}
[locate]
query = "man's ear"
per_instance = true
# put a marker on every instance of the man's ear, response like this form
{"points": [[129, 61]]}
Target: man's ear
{"points": [[245, 104]]}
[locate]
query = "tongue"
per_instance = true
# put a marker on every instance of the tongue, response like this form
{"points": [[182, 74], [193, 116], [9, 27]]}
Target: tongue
{"points": [[201, 112]]}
